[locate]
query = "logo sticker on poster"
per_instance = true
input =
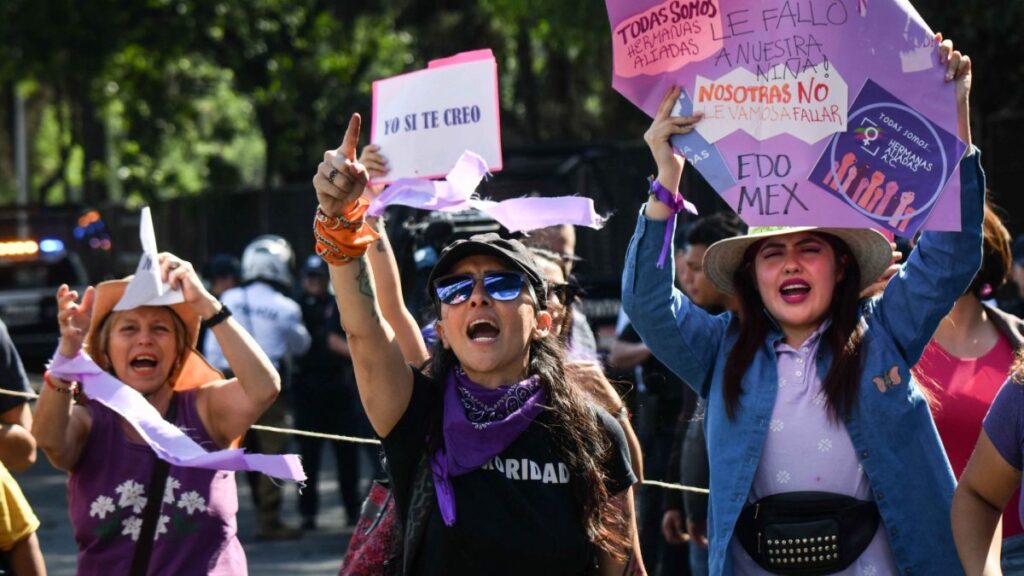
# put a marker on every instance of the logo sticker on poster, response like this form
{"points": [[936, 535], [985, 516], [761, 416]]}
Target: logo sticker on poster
{"points": [[891, 163]]}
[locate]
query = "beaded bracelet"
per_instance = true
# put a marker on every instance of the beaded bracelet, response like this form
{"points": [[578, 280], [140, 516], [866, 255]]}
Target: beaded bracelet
{"points": [[676, 203], [336, 222], [72, 389]]}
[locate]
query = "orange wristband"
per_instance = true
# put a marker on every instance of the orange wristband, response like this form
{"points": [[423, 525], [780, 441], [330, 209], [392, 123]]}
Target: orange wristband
{"points": [[342, 239]]}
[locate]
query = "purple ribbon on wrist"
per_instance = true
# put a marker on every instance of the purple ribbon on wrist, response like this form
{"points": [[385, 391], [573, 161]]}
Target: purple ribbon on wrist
{"points": [[676, 203]]}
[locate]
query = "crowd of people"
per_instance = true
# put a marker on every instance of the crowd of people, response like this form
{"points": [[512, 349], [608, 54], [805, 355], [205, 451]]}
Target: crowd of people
{"points": [[817, 390]]}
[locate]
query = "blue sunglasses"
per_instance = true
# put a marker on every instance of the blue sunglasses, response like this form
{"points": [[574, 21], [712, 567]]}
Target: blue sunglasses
{"points": [[457, 288]]}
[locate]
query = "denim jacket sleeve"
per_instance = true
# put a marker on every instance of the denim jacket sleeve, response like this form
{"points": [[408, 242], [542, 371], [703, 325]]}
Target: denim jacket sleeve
{"points": [[681, 334], [938, 271]]}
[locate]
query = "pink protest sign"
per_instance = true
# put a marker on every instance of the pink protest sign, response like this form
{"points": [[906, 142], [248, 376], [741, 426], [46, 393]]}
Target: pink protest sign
{"points": [[665, 37], [816, 112], [424, 120]]}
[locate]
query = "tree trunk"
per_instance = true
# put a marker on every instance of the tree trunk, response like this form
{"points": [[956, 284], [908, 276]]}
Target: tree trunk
{"points": [[265, 116], [92, 136], [526, 85]]}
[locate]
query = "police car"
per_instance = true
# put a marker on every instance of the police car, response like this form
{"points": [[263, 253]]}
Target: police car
{"points": [[30, 273]]}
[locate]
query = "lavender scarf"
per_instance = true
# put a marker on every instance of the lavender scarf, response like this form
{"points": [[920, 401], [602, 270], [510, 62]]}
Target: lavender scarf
{"points": [[479, 423], [169, 443]]}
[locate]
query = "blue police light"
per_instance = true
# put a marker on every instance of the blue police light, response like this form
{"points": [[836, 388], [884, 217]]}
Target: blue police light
{"points": [[51, 245]]}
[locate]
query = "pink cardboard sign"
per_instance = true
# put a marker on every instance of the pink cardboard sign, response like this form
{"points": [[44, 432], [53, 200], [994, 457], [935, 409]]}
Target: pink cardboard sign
{"points": [[424, 120]]}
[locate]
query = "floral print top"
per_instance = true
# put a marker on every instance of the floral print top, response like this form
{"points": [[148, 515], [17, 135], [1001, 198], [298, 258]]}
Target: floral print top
{"points": [[196, 531]]}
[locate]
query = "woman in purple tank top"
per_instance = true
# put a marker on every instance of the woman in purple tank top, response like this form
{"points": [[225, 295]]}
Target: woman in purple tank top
{"points": [[151, 348]]}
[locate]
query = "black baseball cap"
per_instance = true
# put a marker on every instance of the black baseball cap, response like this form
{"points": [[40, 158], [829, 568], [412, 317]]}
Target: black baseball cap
{"points": [[513, 252]]}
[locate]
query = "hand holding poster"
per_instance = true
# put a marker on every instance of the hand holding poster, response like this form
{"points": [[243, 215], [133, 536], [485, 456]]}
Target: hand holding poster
{"points": [[424, 120], [824, 112]]}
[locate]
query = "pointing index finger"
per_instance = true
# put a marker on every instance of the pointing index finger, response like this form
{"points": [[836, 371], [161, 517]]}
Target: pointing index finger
{"points": [[351, 141]]}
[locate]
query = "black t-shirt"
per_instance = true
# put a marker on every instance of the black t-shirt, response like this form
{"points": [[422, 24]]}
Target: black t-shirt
{"points": [[321, 317], [673, 395], [516, 514], [12, 373]]}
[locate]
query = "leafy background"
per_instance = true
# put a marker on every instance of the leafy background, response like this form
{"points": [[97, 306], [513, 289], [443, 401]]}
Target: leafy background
{"points": [[134, 101]]}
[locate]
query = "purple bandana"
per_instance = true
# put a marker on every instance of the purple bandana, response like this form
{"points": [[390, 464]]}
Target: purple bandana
{"points": [[479, 424]]}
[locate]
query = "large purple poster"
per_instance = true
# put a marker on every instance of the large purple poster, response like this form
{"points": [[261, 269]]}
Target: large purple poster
{"points": [[826, 112]]}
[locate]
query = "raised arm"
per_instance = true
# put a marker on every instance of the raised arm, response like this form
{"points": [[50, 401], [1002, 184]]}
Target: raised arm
{"points": [[383, 378], [60, 427], [227, 407], [387, 281], [680, 334], [943, 264]]}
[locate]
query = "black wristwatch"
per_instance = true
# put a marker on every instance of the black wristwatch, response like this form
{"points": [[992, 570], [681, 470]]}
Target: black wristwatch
{"points": [[219, 317]]}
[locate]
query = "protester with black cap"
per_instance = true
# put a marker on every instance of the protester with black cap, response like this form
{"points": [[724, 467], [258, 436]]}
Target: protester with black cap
{"points": [[526, 476]]}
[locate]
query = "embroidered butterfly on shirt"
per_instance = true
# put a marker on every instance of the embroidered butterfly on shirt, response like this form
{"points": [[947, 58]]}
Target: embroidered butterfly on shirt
{"points": [[888, 380]]}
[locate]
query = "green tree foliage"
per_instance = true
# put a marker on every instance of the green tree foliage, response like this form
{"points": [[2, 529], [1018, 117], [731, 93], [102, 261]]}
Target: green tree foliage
{"points": [[141, 99]]}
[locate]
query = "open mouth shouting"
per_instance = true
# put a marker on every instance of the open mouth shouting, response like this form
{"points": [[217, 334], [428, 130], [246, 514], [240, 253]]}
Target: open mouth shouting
{"points": [[144, 364], [794, 291], [482, 331]]}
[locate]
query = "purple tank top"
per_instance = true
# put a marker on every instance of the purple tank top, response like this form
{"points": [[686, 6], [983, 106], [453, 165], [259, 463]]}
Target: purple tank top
{"points": [[197, 532]]}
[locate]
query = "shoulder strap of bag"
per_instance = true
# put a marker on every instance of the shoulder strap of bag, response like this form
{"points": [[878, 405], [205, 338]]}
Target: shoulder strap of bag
{"points": [[421, 501], [157, 483]]}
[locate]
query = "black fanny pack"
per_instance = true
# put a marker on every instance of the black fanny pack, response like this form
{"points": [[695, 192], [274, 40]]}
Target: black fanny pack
{"points": [[807, 533]]}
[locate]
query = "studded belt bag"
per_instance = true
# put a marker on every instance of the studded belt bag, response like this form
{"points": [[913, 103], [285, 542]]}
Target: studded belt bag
{"points": [[807, 533]]}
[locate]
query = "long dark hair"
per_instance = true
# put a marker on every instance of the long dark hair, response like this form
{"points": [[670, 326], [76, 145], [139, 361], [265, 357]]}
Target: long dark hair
{"points": [[844, 336], [579, 440], [997, 254]]}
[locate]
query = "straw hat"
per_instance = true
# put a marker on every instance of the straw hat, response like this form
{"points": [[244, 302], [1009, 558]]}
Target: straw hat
{"points": [[195, 371], [869, 247]]}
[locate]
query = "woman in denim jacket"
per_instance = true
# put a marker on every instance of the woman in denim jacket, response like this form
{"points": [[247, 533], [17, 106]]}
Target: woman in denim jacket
{"points": [[824, 456]]}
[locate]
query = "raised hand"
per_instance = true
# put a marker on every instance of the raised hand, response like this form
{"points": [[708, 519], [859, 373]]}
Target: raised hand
{"points": [[73, 317], [663, 127], [377, 167], [340, 179], [958, 69], [181, 275]]}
